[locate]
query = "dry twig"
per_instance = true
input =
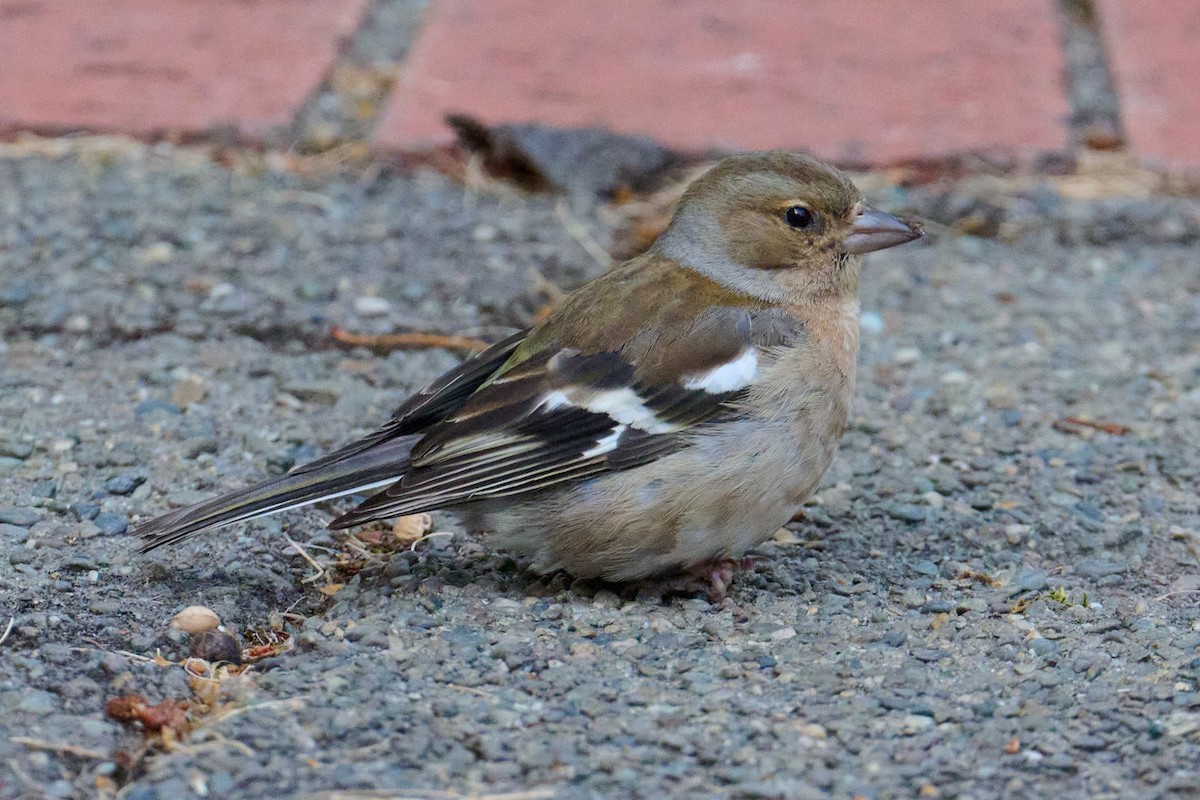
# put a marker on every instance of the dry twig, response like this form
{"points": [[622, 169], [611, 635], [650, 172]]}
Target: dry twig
{"points": [[413, 546], [212, 719], [1071, 424], [321, 572], [398, 341], [58, 747], [582, 236]]}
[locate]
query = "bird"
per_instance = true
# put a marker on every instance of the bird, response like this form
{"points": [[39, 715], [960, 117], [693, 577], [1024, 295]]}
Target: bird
{"points": [[666, 417]]}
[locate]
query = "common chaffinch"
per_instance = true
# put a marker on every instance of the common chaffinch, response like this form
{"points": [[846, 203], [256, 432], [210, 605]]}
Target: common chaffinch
{"points": [[669, 415]]}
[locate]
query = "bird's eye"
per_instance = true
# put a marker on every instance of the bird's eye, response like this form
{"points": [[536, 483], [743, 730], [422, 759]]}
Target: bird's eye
{"points": [[799, 217]]}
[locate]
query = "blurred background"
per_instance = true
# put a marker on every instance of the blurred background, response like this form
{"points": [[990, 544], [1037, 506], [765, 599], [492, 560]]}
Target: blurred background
{"points": [[865, 83]]}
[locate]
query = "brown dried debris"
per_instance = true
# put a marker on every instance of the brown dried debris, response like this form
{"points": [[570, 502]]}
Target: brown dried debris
{"points": [[168, 717]]}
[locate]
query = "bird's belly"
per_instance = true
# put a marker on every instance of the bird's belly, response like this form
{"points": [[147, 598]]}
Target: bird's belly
{"points": [[720, 496]]}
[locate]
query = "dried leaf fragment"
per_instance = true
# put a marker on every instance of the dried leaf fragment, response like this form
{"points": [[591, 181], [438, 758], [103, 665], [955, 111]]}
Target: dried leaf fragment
{"points": [[978, 577], [169, 715]]}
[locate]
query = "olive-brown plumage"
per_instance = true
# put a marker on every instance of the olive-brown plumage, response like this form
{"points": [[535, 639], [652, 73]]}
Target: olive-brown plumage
{"points": [[673, 412]]}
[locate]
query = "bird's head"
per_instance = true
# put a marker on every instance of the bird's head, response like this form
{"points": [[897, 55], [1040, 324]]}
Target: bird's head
{"points": [[780, 221]]}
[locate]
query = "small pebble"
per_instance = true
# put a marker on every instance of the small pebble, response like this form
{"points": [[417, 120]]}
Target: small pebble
{"points": [[152, 406], [15, 293], [925, 567], [85, 510], [196, 619], [321, 392], [189, 391], [1031, 580], [17, 450], [906, 512], [111, 524], [371, 306], [216, 645], [412, 526], [22, 517], [1044, 647], [13, 533], [915, 723], [37, 701], [1098, 568], [124, 483]]}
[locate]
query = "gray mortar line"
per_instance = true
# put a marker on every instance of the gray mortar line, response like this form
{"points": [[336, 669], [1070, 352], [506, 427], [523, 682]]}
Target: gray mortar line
{"points": [[1095, 103], [378, 46]]}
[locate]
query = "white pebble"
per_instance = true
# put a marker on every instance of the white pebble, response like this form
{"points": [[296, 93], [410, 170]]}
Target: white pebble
{"points": [[78, 323], [371, 306]]}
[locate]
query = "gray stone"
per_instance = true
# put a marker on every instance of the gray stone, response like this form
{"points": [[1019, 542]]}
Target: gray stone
{"points": [[37, 701], [1030, 580], [1098, 568], [23, 517], [111, 524], [124, 483], [907, 512], [14, 534], [14, 449]]}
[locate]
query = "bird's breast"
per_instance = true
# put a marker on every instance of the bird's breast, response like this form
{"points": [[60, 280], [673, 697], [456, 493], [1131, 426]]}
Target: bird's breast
{"points": [[810, 381]]}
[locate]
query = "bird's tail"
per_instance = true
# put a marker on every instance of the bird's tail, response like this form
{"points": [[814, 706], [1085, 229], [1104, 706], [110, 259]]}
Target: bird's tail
{"points": [[373, 468]]}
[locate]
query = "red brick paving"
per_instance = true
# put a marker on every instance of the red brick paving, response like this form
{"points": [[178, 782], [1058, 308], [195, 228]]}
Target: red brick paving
{"points": [[868, 81], [151, 66], [1154, 52], [872, 80]]}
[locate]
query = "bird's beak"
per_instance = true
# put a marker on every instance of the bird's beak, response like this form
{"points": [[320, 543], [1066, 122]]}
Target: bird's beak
{"points": [[874, 230]]}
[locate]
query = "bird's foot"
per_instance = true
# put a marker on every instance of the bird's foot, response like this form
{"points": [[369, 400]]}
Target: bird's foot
{"points": [[718, 574], [711, 578]]}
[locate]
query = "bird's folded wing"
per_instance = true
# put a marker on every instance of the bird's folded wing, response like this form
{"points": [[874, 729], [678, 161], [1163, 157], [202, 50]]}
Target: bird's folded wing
{"points": [[559, 414]]}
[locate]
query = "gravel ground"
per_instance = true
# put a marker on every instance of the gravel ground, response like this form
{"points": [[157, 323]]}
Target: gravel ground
{"points": [[985, 600]]}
